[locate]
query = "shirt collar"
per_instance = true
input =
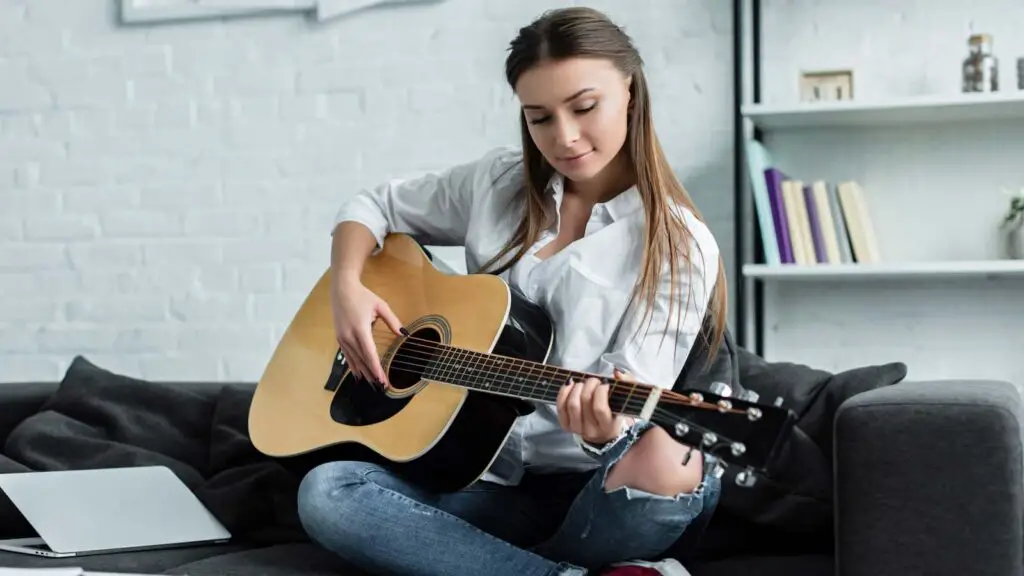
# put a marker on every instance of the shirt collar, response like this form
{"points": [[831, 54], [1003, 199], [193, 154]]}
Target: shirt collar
{"points": [[617, 208]]}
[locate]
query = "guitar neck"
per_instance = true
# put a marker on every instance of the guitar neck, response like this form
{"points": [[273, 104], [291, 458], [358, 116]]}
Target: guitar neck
{"points": [[524, 379]]}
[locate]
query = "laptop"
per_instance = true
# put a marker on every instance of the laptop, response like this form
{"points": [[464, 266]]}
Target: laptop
{"points": [[99, 511]]}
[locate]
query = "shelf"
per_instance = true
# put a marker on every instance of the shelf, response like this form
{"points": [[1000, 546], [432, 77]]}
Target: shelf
{"points": [[895, 270], [890, 112]]}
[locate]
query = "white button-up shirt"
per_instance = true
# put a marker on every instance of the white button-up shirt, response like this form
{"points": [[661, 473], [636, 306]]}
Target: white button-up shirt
{"points": [[585, 287]]}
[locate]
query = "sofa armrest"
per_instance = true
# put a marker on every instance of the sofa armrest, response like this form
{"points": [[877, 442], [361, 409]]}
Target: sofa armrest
{"points": [[929, 480]]}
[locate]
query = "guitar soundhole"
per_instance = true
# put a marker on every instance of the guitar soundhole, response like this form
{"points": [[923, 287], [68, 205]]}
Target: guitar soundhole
{"points": [[413, 357], [359, 403]]}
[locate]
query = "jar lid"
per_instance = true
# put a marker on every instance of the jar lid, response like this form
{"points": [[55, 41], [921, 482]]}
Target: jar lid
{"points": [[979, 38]]}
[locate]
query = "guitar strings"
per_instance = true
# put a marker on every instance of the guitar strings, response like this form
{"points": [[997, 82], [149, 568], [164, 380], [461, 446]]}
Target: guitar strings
{"points": [[417, 368], [635, 405], [431, 346], [436, 354], [538, 390], [668, 396]]}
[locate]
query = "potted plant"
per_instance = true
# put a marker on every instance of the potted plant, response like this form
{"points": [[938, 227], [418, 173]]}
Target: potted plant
{"points": [[1013, 225]]}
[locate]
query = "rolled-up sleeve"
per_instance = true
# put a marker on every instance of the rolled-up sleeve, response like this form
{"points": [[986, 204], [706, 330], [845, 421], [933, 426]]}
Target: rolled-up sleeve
{"points": [[434, 208], [654, 349]]}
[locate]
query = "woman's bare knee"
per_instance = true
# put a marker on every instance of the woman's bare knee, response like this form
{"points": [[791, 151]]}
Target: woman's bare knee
{"points": [[654, 464]]}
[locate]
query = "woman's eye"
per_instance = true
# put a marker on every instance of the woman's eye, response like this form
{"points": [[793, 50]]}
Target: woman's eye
{"points": [[545, 119]]}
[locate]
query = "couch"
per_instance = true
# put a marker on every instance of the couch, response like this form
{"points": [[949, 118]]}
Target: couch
{"points": [[883, 476]]}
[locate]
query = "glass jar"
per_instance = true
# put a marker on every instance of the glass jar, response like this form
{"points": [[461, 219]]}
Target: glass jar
{"points": [[980, 68]]}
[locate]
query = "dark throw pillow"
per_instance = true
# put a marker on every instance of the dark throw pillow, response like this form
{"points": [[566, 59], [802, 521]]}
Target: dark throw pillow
{"points": [[254, 495], [791, 510], [813, 394], [99, 419]]}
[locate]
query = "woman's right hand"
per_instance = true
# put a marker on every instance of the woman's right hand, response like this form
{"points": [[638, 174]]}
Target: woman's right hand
{"points": [[355, 309]]}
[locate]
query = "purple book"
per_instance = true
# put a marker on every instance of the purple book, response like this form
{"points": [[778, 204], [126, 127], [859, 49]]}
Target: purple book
{"points": [[812, 218], [774, 179]]}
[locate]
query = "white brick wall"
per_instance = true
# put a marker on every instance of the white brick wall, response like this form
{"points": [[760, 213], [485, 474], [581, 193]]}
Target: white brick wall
{"points": [[167, 191]]}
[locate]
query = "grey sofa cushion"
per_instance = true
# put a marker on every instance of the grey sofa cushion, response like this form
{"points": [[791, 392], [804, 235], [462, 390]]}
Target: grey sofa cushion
{"points": [[311, 560], [810, 565], [149, 562], [280, 560], [930, 480]]}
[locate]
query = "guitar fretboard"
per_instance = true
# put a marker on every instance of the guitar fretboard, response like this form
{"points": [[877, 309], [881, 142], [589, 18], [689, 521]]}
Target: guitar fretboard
{"points": [[522, 378]]}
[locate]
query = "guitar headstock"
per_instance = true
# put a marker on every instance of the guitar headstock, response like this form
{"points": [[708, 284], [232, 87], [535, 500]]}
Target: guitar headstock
{"points": [[737, 430]]}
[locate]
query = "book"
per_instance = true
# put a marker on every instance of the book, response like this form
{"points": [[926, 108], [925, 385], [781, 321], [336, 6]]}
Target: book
{"points": [[774, 178], [758, 162], [858, 222], [814, 223]]}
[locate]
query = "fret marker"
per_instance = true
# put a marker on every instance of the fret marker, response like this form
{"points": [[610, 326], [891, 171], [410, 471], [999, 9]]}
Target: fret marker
{"points": [[650, 404]]}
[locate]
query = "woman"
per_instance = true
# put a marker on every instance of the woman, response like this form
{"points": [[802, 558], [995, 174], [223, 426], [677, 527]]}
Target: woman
{"points": [[589, 221]]}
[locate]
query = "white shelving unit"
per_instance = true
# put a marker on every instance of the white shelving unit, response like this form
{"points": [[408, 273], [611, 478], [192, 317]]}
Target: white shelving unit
{"points": [[889, 113], [984, 269], [943, 299]]}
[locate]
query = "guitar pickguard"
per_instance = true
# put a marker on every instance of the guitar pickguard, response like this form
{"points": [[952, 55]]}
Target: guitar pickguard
{"points": [[360, 403]]}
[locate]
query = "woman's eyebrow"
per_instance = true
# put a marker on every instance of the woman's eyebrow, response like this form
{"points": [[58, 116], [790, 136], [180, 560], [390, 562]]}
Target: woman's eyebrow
{"points": [[576, 95]]}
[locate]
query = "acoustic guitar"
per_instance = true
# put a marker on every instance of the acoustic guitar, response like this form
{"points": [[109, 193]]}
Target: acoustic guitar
{"points": [[470, 360]]}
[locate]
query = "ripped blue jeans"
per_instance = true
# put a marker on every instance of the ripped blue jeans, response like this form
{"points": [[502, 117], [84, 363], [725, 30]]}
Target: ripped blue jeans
{"points": [[548, 525]]}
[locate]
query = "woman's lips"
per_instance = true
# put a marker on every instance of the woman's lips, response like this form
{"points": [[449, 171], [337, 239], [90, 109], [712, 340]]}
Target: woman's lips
{"points": [[577, 158]]}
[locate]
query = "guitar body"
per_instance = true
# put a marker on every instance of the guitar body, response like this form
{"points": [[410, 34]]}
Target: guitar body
{"points": [[308, 409]]}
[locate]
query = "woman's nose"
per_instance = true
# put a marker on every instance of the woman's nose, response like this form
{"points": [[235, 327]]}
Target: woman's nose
{"points": [[566, 132]]}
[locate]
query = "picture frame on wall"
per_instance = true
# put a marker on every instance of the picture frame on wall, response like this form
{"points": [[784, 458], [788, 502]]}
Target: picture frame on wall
{"points": [[826, 85], [153, 11]]}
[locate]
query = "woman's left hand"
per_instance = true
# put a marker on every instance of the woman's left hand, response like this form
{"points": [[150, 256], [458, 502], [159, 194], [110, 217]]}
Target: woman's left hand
{"points": [[583, 409]]}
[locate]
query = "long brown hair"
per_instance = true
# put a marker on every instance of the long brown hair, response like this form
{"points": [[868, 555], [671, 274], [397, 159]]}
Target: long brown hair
{"points": [[576, 32]]}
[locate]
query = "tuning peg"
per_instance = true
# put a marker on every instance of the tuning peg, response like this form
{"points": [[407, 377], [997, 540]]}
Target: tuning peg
{"points": [[681, 429], [718, 470], [709, 438], [778, 402], [738, 448], [746, 478], [748, 395], [721, 389]]}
